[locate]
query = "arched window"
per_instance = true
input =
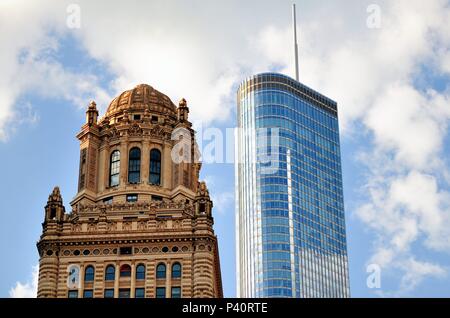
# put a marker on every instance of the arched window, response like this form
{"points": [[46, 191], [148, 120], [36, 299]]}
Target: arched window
{"points": [[89, 274], [176, 270], [114, 168], [110, 273], [161, 271], [125, 271], [140, 271], [155, 167], [134, 166]]}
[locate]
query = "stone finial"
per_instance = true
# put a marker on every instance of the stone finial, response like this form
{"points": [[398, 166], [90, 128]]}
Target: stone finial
{"points": [[92, 114], [182, 111], [54, 210], [55, 196], [182, 103], [92, 105]]}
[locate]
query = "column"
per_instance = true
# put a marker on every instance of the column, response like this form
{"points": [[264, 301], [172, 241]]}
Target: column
{"points": [[123, 163], [133, 280], [166, 167], [116, 281], [169, 280], [145, 161], [81, 289]]}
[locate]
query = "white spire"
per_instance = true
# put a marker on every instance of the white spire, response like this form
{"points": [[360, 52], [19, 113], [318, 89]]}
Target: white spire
{"points": [[295, 41]]}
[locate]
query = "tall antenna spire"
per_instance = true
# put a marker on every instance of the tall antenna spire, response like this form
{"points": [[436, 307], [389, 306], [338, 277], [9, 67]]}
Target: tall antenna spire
{"points": [[295, 41]]}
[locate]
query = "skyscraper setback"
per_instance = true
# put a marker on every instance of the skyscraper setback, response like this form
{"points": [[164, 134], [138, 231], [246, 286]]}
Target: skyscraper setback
{"points": [[290, 222]]}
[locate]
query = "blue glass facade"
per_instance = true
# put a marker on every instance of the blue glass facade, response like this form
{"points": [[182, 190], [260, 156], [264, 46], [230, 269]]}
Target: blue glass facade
{"points": [[290, 223]]}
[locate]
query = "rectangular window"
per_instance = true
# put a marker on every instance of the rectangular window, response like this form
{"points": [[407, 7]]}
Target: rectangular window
{"points": [[136, 117], [125, 250], [160, 292], [73, 294], [156, 198], [132, 198], [176, 292], [88, 293], [139, 293], [108, 200], [109, 293], [155, 119], [124, 293]]}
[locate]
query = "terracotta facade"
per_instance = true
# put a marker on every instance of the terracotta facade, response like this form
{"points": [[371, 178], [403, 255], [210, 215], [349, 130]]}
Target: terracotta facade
{"points": [[137, 210]]}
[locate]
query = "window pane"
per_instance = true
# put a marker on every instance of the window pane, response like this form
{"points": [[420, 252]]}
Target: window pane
{"points": [[161, 271], [125, 271], [134, 166], [140, 272], [160, 292], [155, 167], [124, 293], [109, 293], [176, 270], [89, 274], [139, 293], [114, 169], [73, 294], [176, 292], [110, 273], [88, 294]]}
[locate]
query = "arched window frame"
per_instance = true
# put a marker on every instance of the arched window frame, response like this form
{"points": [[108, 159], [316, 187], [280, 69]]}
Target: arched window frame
{"points": [[89, 274], [176, 270], [134, 165], [110, 273], [155, 167], [114, 168], [125, 270], [140, 272], [161, 271]]}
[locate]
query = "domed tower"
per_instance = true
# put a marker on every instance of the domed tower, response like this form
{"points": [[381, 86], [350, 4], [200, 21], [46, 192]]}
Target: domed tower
{"points": [[141, 223]]}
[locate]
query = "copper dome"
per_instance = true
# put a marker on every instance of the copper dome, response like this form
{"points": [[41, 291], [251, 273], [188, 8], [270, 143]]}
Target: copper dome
{"points": [[140, 98]]}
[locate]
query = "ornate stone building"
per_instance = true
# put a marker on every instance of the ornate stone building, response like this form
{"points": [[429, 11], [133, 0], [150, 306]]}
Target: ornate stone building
{"points": [[140, 224]]}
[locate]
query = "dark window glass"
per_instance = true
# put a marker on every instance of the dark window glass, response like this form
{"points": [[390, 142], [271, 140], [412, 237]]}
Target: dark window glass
{"points": [[161, 271], [127, 250], [125, 271], [109, 293], [110, 273], [114, 168], [140, 271], [160, 292], [124, 293], [73, 294], [139, 293], [136, 117], [176, 270], [134, 166], [88, 293], [176, 292], [108, 200], [155, 167], [157, 198], [89, 274], [132, 198]]}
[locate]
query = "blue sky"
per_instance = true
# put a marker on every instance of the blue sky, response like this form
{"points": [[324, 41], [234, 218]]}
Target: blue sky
{"points": [[391, 83]]}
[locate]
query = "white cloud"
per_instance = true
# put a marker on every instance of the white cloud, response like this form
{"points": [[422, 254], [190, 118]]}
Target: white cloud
{"points": [[29, 37], [223, 202], [28, 289]]}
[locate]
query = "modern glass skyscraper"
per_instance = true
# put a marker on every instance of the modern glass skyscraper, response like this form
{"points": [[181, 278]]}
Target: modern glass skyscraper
{"points": [[290, 224]]}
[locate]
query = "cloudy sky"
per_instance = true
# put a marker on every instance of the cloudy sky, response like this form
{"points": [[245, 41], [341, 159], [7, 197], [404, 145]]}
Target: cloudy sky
{"points": [[386, 63]]}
